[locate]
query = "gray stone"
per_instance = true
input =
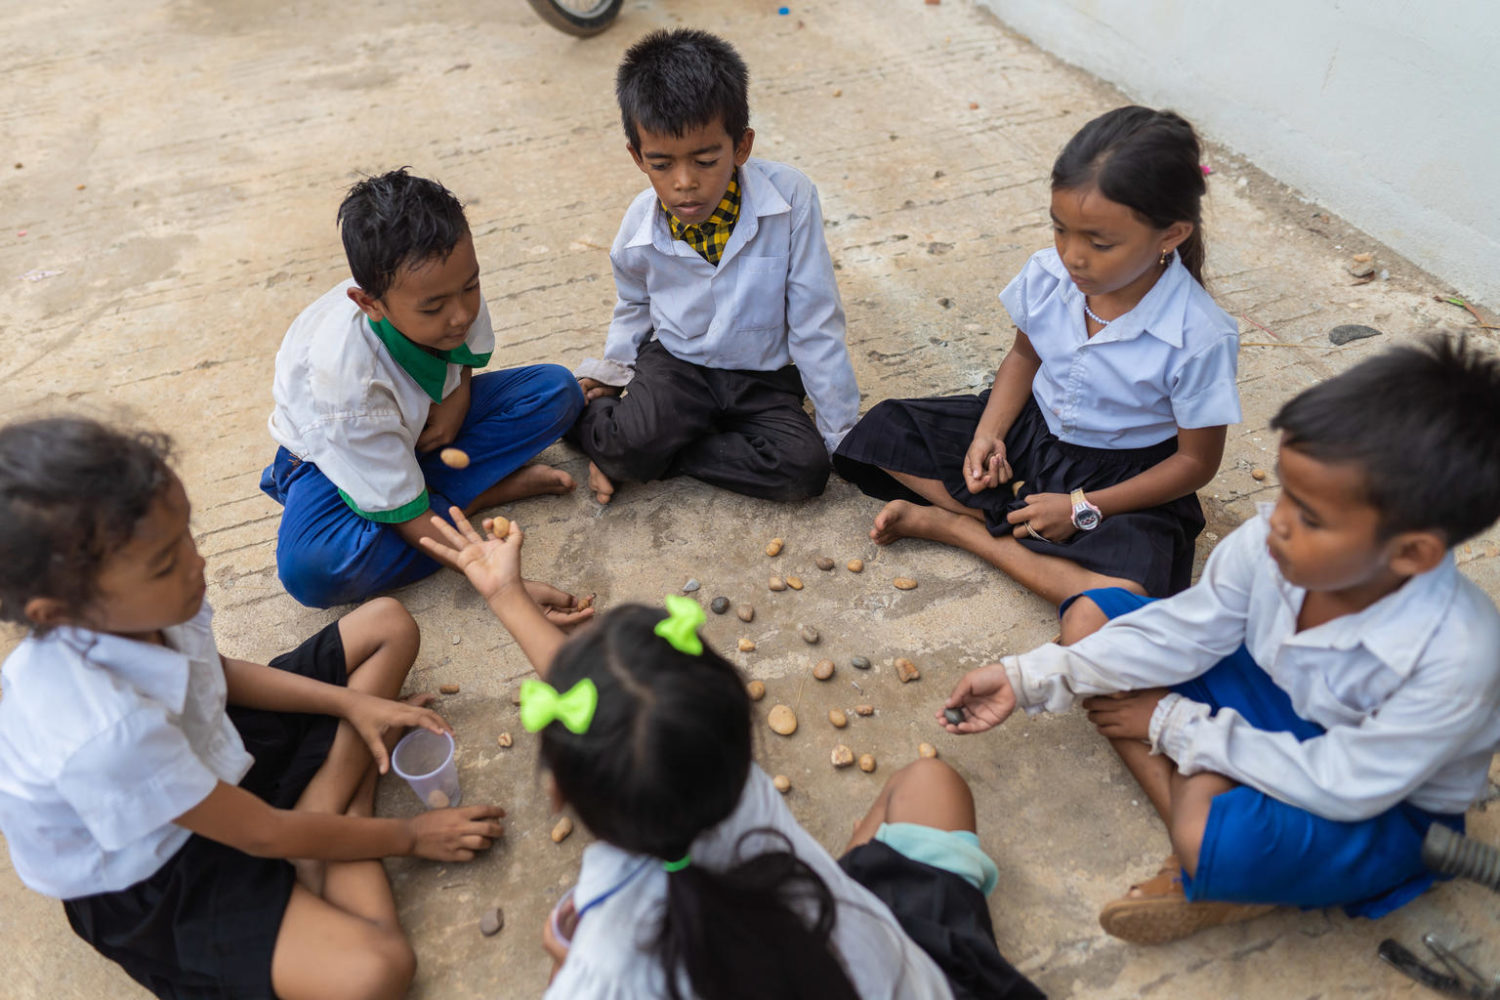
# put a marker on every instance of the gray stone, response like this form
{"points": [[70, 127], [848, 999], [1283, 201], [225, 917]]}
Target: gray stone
{"points": [[1351, 331], [690, 586], [719, 605], [860, 663], [954, 715]]}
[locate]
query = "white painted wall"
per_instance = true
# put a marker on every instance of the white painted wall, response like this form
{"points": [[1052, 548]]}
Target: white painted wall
{"points": [[1385, 111]]}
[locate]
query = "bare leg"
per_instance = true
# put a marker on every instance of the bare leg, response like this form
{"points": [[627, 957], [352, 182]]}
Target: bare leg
{"points": [[380, 645], [934, 492], [527, 481], [1153, 773], [927, 792], [325, 953], [1192, 797], [1052, 577]]}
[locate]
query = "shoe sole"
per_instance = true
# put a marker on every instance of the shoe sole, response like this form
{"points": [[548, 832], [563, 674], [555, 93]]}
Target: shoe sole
{"points": [[1158, 921]]}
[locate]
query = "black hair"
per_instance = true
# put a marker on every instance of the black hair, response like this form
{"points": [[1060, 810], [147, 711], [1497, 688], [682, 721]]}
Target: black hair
{"points": [[71, 493], [671, 81], [665, 759], [1424, 423], [397, 219], [1147, 160]]}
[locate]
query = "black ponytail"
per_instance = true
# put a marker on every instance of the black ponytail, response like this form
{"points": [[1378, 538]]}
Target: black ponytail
{"points": [[665, 759], [1147, 160]]}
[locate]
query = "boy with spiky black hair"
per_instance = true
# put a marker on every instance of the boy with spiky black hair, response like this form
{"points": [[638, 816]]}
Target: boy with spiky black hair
{"points": [[375, 378], [1331, 687], [728, 312]]}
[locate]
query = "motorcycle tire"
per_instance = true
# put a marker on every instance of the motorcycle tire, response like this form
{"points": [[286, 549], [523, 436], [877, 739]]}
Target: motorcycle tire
{"points": [[578, 17]]}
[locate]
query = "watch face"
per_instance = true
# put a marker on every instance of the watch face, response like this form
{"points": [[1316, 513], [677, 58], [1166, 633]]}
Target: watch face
{"points": [[1085, 518]]}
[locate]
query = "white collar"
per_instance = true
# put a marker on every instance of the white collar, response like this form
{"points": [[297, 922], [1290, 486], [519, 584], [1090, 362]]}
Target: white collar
{"points": [[158, 672], [1159, 313]]}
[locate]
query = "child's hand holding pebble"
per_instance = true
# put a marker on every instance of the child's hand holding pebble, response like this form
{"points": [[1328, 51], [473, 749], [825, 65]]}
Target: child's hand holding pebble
{"points": [[985, 698], [455, 834]]}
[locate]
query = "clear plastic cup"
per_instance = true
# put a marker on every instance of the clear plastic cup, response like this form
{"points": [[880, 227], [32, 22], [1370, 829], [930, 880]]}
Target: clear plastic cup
{"points": [[425, 760], [564, 920]]}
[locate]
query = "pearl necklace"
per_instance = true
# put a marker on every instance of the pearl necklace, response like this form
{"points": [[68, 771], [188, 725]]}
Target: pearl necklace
{"points": [[1093, 315]]}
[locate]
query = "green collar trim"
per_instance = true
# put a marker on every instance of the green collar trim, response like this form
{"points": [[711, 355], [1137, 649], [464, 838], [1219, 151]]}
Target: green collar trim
{"points": [[405, 512], [428, 368]]}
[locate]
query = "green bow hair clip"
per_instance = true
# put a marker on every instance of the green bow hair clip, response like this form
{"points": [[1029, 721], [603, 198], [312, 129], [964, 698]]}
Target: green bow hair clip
{"points": [[541, 705], [680, 627]]}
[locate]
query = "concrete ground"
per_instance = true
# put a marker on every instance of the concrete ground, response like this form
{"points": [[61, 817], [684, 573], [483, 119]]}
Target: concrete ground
{"points": [[177, 165]]}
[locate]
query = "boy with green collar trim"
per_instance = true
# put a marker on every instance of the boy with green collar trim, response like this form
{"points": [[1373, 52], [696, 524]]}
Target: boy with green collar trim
{"points": [[375, 378]]}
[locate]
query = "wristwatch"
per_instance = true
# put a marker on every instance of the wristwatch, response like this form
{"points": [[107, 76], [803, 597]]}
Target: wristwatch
{"points": [[1086, 516]]}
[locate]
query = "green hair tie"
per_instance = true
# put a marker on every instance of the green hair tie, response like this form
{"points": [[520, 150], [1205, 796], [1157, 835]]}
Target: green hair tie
{"points": [[678, 865], [680, 627]]}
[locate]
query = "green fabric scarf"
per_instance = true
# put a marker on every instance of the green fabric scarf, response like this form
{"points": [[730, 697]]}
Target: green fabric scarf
{"points": [[427, 367]]}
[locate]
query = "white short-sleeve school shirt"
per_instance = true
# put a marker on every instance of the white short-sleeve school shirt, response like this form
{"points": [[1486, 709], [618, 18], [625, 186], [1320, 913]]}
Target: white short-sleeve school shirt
{"points": [[104, 742], [771, 301], [344, 404], [1169, 363], [619, 897]]}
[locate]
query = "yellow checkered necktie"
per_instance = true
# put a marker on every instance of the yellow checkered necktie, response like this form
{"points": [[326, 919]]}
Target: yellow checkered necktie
{"points": [[710, 236]]}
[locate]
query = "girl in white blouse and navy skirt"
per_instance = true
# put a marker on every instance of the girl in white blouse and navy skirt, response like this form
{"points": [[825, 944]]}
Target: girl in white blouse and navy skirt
{"points": [[1077, 469]]}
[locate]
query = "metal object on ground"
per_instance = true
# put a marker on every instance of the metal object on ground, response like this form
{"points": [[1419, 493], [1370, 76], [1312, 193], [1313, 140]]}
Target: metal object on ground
{"points": [[1456, 978]]}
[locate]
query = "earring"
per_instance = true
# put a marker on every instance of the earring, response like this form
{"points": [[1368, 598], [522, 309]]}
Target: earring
{"points": [[1164, 255]]}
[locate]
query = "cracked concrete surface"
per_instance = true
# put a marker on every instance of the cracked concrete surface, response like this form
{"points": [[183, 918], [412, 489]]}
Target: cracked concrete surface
{"points": [[179, 162]]}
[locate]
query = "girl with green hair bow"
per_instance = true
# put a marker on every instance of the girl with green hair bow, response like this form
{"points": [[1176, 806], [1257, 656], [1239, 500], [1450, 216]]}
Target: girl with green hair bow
{"points": [[701, 883]]}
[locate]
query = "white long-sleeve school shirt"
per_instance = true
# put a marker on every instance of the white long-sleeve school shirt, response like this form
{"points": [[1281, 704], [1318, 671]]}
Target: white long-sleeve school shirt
{"points": [[1408, 689], [771, 301]]}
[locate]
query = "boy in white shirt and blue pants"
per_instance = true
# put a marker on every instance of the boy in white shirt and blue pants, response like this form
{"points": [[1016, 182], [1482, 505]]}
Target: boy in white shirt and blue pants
{"points": [[728, 311], [375, 378], [1329, 688]]}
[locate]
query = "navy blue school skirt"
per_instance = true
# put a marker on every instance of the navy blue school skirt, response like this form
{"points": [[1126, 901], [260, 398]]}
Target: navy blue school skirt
{"points": [[929, 438], [946, 916], [205, 924]]}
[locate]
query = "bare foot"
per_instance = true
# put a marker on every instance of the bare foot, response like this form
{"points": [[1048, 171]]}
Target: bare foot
{"points": [[604, 490], [527, 481], [904, 519]]}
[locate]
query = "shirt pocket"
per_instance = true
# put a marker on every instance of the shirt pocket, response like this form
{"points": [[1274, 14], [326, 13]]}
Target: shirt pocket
{"points": [[760, 294]]}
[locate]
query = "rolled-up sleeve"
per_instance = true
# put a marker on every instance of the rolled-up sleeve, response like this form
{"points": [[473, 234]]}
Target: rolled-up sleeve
{"points": [[815, 325], [1205, 393], [134, 778]]}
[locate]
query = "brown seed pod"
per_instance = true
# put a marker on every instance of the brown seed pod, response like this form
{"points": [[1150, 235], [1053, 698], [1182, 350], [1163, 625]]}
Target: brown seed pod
{"points": [[776, 583], [823, 669], [824, 563], [561, 831], [906, 670], [795, 582], [904, 583], [504, 740], [842, 756], [867, 762], [855, 565], [837, 718], [448, 688], [866, 710], [746, 612], [756, 690], [926, 750], [454, 458], [773, 548], [746, 646], [438, 799], [783, 783]]}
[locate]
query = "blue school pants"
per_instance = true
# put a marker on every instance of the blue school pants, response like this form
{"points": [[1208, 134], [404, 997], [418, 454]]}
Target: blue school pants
{"points": [[1258, 849], [327, 554]]}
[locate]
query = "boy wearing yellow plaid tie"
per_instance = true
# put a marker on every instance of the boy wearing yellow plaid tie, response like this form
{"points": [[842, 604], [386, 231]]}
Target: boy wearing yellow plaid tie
{"points": [[728, 313]]}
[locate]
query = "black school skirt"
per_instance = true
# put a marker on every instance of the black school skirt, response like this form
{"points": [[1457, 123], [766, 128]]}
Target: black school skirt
{"points": [[946, 916], [205, 924], [929, 438]]}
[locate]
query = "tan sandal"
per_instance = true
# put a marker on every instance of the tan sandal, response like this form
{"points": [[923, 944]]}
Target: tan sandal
{"points": [[1157, 910]]}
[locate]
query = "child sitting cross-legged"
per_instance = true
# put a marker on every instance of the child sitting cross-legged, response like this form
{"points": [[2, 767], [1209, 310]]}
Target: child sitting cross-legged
{"points": [[727, 310], [375, 380], [1329, 688], [159, 788], [702, 883]]}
